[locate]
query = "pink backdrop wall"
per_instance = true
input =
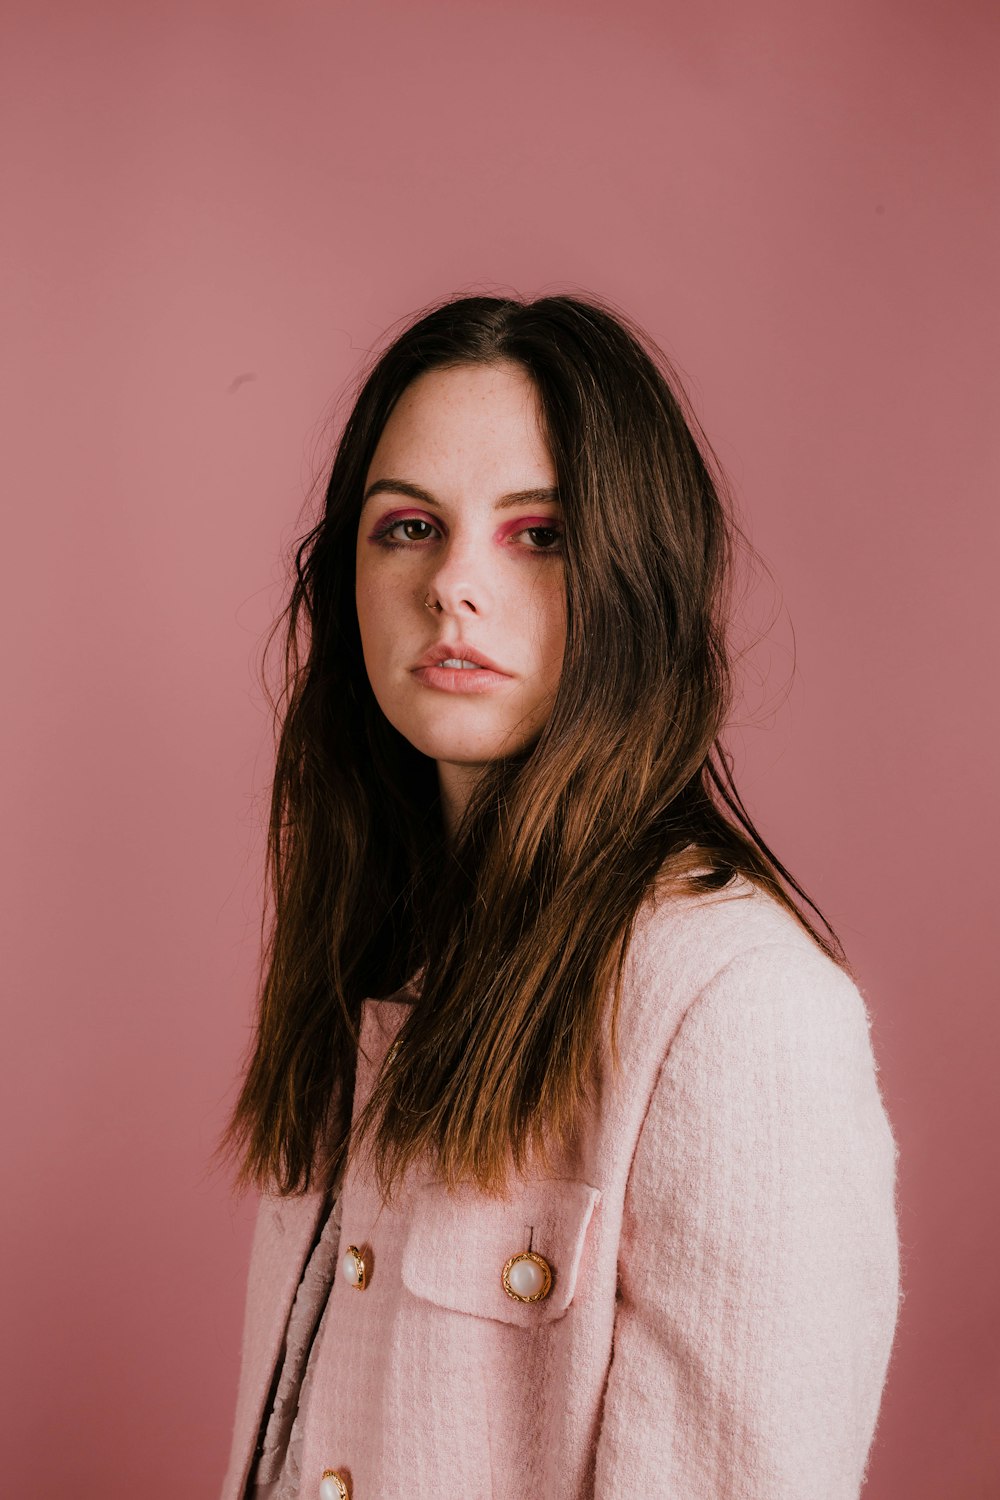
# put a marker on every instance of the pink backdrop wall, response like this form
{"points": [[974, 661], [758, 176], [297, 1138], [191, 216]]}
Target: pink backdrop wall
{"points": [[211, 211]]}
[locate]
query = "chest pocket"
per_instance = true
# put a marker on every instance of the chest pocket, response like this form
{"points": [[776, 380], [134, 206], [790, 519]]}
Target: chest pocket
{"points": [[458, 1246]]}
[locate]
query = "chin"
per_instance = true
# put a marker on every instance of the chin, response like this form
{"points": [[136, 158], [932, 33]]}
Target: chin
{"points": [[459, 744], [464, 751]]}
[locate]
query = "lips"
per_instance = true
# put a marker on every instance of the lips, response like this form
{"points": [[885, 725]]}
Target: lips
{"points": [[458, 651]]}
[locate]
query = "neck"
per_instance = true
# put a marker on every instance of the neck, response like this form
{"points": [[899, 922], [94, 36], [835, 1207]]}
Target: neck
{"points": [[455, 783]]}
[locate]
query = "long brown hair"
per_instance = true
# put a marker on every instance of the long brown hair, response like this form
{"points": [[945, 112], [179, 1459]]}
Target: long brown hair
{"points": [[519, 925]]}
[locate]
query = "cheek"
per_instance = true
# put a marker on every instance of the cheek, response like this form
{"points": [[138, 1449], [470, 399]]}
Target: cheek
{"points": [[372, 590], [370, 603], [552, 631]]}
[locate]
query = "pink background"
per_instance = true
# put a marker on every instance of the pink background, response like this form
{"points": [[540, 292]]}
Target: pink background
{"points": [[212, 211]]}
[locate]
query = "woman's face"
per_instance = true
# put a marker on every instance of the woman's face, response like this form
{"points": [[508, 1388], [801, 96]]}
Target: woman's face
{"points": [[460, 514]]}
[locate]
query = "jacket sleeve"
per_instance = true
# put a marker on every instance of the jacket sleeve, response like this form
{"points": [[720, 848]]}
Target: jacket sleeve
{"points": [[758, 1282]]}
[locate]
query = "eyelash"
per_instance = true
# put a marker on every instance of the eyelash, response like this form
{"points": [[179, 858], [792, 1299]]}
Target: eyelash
{"points": [[383, 533]]}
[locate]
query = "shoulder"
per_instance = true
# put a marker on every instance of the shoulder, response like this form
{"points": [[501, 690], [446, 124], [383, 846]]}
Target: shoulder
{"points": [[765, 1075], [740, 939], [729, 978], [757, 1025], [705, 930]]}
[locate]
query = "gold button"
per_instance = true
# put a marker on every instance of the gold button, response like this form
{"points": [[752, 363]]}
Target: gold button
{"points": [[355, 1270], [527, 1277], [333, 1486]]}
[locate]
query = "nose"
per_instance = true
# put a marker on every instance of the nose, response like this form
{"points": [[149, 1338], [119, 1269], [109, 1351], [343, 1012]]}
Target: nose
{"points": [[460, 583]]}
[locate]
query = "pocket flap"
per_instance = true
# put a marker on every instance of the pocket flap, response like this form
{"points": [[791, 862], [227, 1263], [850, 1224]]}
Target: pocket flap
{"points": [[457, 1245]]}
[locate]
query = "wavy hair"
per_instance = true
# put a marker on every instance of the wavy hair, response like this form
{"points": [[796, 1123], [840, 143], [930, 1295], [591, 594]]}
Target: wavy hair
{"points": [[518, 926]]}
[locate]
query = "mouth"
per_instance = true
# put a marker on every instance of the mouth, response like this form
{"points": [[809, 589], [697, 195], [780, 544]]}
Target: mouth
{"points": [[458, 656], [456, 667], [449, 679]]}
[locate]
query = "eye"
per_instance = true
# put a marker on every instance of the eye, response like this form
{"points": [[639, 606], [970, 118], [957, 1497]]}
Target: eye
{"points": [[385, 533], [551, 538]]}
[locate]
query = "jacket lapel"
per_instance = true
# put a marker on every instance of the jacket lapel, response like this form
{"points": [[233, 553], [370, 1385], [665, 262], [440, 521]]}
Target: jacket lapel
{"points": [[283, 1237]]}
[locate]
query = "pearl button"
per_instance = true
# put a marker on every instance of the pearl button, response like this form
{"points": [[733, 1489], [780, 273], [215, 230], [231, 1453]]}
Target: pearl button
{"points": [[527, 1277], [354, 1267], [332, 1487]]}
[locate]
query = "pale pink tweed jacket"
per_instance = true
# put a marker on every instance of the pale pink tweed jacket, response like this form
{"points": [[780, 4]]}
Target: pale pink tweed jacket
{"points": [[724, 1246]]}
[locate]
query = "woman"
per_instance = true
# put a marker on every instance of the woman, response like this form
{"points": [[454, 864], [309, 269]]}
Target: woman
{"points": [[577, 1178]]}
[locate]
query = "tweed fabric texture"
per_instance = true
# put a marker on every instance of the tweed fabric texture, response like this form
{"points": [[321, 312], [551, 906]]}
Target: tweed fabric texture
{"points": [[723, 1232]]}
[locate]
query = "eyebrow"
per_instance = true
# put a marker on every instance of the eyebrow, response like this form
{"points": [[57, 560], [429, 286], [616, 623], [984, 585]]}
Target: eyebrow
{"points": [[416, 492]]}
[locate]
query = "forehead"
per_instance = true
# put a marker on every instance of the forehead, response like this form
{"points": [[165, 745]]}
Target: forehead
{"points": [[473, 420]]}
